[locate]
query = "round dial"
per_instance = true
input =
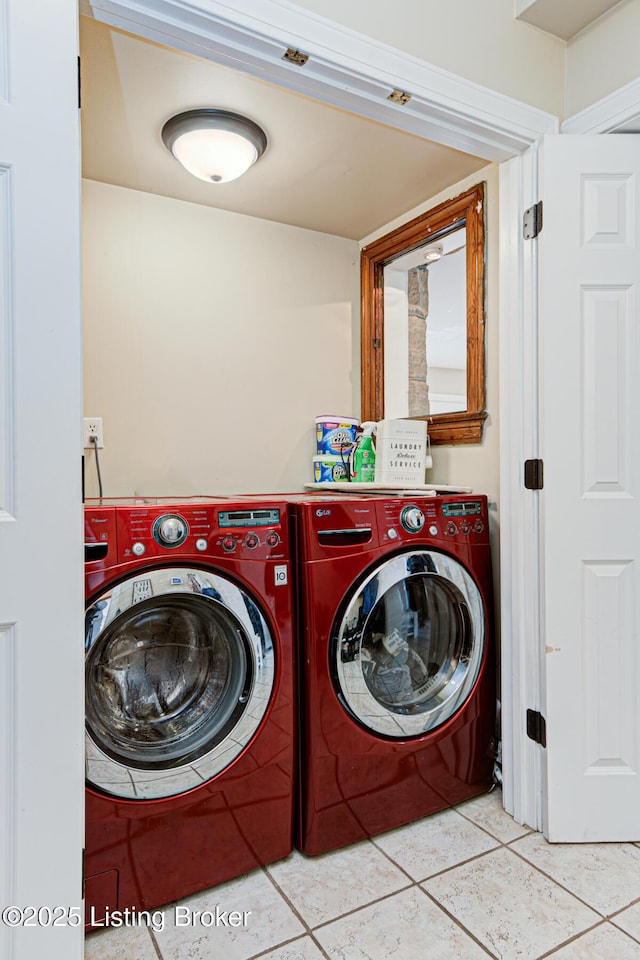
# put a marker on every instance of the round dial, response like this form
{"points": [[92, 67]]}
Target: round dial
{"points": [[412, 519], [170, 530], [228, 543]]}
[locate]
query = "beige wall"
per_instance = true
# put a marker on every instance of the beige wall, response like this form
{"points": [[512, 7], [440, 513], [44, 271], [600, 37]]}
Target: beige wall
{"points": [[603, 57], [212, 340], [473, 465], [481, 41]]}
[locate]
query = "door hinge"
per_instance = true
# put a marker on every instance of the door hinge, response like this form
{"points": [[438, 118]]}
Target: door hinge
{"points": [[532, 221], [536, 727], [377, 342], [79, 86], [533, 474]]}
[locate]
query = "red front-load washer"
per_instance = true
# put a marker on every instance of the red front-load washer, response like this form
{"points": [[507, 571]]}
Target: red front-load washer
{"points": [[397, 700], [189, 697]]}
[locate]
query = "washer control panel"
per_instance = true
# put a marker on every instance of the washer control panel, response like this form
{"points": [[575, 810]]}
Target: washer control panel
{"points": [[155, 530]]}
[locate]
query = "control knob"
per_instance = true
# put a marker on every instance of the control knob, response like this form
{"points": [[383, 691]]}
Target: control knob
{"points": [[170, 531], [412, 519]]}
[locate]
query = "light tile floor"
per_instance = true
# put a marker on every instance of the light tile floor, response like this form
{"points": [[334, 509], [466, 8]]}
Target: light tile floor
{"points": [[465, 884]]}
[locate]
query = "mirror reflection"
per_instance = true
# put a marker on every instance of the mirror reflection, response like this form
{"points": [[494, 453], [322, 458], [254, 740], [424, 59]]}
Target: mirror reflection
{"points": [[425, 311]]}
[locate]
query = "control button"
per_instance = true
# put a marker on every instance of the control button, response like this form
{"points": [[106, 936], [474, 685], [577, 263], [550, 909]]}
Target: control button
{"points": [[138, 548], [251, 541], [201, 544], [478, 526], [465, 527], [392, 533], [170, 530], [451, 529], [273, 539], [412, 519], [229, 543], [433, 530]]}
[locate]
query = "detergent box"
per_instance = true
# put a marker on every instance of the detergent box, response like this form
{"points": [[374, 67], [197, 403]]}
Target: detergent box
{"points": [[401, 451]]}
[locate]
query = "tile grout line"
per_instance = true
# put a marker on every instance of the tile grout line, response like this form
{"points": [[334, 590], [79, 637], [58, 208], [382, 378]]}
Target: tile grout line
{"points": [[156, 945], [458, 923], [566, 889], [526, 833], [578, 936], [372, 841], [287, 943], [307, 928], [365, 906]]}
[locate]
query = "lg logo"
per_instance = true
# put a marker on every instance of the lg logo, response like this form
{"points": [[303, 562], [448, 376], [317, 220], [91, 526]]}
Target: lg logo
{"points": [[323, 513]]}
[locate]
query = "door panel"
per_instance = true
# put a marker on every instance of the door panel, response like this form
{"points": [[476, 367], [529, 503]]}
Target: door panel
{"points": [[590, 371], [41, 600]]}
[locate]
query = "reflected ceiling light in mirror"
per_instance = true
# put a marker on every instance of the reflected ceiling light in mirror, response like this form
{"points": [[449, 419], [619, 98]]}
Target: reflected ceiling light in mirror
{"points": [[214, 145], [433, 252]]}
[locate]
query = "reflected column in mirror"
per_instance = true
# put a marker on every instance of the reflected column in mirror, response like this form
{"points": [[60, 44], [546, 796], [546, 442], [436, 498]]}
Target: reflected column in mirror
{"points": [[425, 346]]}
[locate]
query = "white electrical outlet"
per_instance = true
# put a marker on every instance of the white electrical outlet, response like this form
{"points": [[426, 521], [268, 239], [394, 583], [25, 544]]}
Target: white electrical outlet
{"points": [[92, 427]]}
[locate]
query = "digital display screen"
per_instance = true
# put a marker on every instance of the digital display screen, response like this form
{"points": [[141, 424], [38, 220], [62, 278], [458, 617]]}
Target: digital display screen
{"points": [[469, 509], [248, 518]]}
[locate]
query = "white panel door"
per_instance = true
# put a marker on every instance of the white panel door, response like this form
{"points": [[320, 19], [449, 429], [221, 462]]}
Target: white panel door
{"points": [[41, 594], [590, 445]]}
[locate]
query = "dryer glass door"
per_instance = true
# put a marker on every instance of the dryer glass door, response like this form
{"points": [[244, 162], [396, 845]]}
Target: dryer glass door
{"points": [[179, 673], [409, 648]]}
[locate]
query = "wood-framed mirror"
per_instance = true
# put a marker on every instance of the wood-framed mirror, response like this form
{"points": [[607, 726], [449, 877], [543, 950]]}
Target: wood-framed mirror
{"points": [[423, 321]]}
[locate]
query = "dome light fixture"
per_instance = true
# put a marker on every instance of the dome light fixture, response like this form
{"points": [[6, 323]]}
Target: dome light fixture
{"points": [[214, 145]]}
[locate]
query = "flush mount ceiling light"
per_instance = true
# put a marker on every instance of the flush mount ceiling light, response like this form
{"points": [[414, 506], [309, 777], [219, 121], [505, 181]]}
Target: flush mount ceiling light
{"points": [[214, 145]]}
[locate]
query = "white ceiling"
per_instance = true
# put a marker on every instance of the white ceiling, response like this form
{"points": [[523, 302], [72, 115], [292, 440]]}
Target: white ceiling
{"points": [[324, 168], [563, 18]]}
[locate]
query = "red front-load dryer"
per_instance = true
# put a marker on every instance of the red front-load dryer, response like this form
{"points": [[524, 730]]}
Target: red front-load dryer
{"points": [[397, 700], [189, 697]]}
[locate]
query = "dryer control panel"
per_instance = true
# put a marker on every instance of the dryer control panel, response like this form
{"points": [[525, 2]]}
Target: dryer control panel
{"points": [[459, 518], [338, 525]]}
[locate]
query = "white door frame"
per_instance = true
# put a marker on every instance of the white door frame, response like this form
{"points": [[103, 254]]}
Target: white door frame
{"points": [[358, 73], [253, 35]]}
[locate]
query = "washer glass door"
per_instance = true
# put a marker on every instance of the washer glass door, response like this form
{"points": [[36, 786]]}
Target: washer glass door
{"points": [[409, 647], [179, 671]]}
